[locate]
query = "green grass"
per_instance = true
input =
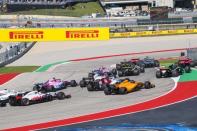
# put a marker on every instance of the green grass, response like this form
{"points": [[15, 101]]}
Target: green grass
{"points": [[166, 63], [76, 11], [18, 69]]}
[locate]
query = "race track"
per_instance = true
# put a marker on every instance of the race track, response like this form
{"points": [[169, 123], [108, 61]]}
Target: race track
{"points": [[82, 101]]}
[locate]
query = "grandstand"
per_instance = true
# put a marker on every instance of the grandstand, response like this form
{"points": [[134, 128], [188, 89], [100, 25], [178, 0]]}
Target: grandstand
{"points": [[15, 5], [43, 2], [149, 3], [117, 8]]}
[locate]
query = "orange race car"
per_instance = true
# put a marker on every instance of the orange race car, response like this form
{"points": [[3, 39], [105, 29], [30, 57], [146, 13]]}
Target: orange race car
{"points": [[124, 86]]}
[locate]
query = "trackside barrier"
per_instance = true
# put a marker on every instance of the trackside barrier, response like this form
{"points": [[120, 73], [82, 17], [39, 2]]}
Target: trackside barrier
{"points": [[153, 33], [53, 34], [70, 34], [11, 55]]}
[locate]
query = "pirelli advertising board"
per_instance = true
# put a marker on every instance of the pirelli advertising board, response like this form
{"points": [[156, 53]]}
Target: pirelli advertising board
{"points": [[54, 34], [153, 33]]}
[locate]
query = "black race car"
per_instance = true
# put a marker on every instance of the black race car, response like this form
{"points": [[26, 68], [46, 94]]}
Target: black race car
{"points": [[147, 62], [172, 71], [95, 83], [128, 68]]}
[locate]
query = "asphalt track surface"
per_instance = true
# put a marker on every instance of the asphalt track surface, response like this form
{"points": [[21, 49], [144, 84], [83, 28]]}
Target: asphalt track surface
{"points": [[173, 115], [83, 102], [49, 52]]}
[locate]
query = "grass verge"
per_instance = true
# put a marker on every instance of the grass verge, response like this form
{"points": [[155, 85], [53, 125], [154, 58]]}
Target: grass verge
{"points": [[77, 10], [18, 69], [168, 62]]}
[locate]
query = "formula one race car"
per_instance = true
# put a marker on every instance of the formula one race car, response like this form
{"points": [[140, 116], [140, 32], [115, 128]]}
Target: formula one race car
{"points": [[94, 83], [128, 69], [146, 62], [97, 75], [124, 86], [103, 71], [84, 82], [4, 96], [54, 85], [172, 71], [185, 61], [32, 97], [98, 84]]}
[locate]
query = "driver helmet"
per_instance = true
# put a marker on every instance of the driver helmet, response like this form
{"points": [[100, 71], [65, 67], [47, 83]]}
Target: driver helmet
{"points": [[54, 79]]}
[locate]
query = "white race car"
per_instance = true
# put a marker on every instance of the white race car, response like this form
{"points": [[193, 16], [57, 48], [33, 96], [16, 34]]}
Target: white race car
{"points": [[32, 97], [5, 94]]}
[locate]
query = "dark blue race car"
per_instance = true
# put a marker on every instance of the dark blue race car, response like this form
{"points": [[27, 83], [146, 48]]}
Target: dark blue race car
{"points": [[147, 62]]}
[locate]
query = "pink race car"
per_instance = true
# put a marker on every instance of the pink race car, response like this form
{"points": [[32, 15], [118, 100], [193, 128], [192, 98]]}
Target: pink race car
{"points": [[54, 85]]}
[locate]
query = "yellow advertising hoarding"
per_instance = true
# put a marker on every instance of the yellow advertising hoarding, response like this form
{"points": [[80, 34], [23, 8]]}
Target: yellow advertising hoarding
{"points": [[53, 34], [153, 33], [76, 34]]}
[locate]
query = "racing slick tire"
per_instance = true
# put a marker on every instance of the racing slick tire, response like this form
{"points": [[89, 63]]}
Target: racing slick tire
{"points": [[182, 53], [107, 91], [73, 83], [192, 64], [187, 69], [136, 72], [12, 102], [90, 87], [114, 72], [142, 70], [61, 95], [122, 90], [157, 64], [120, 74], [147, 85], [97, 85], [143, 65], [25, 102], [118, 66], [82, 83], [148, 65], [68, 96], [103, 86], [175, 73], [49, 98], [158, 74], [2, 104], [140, 64]]}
